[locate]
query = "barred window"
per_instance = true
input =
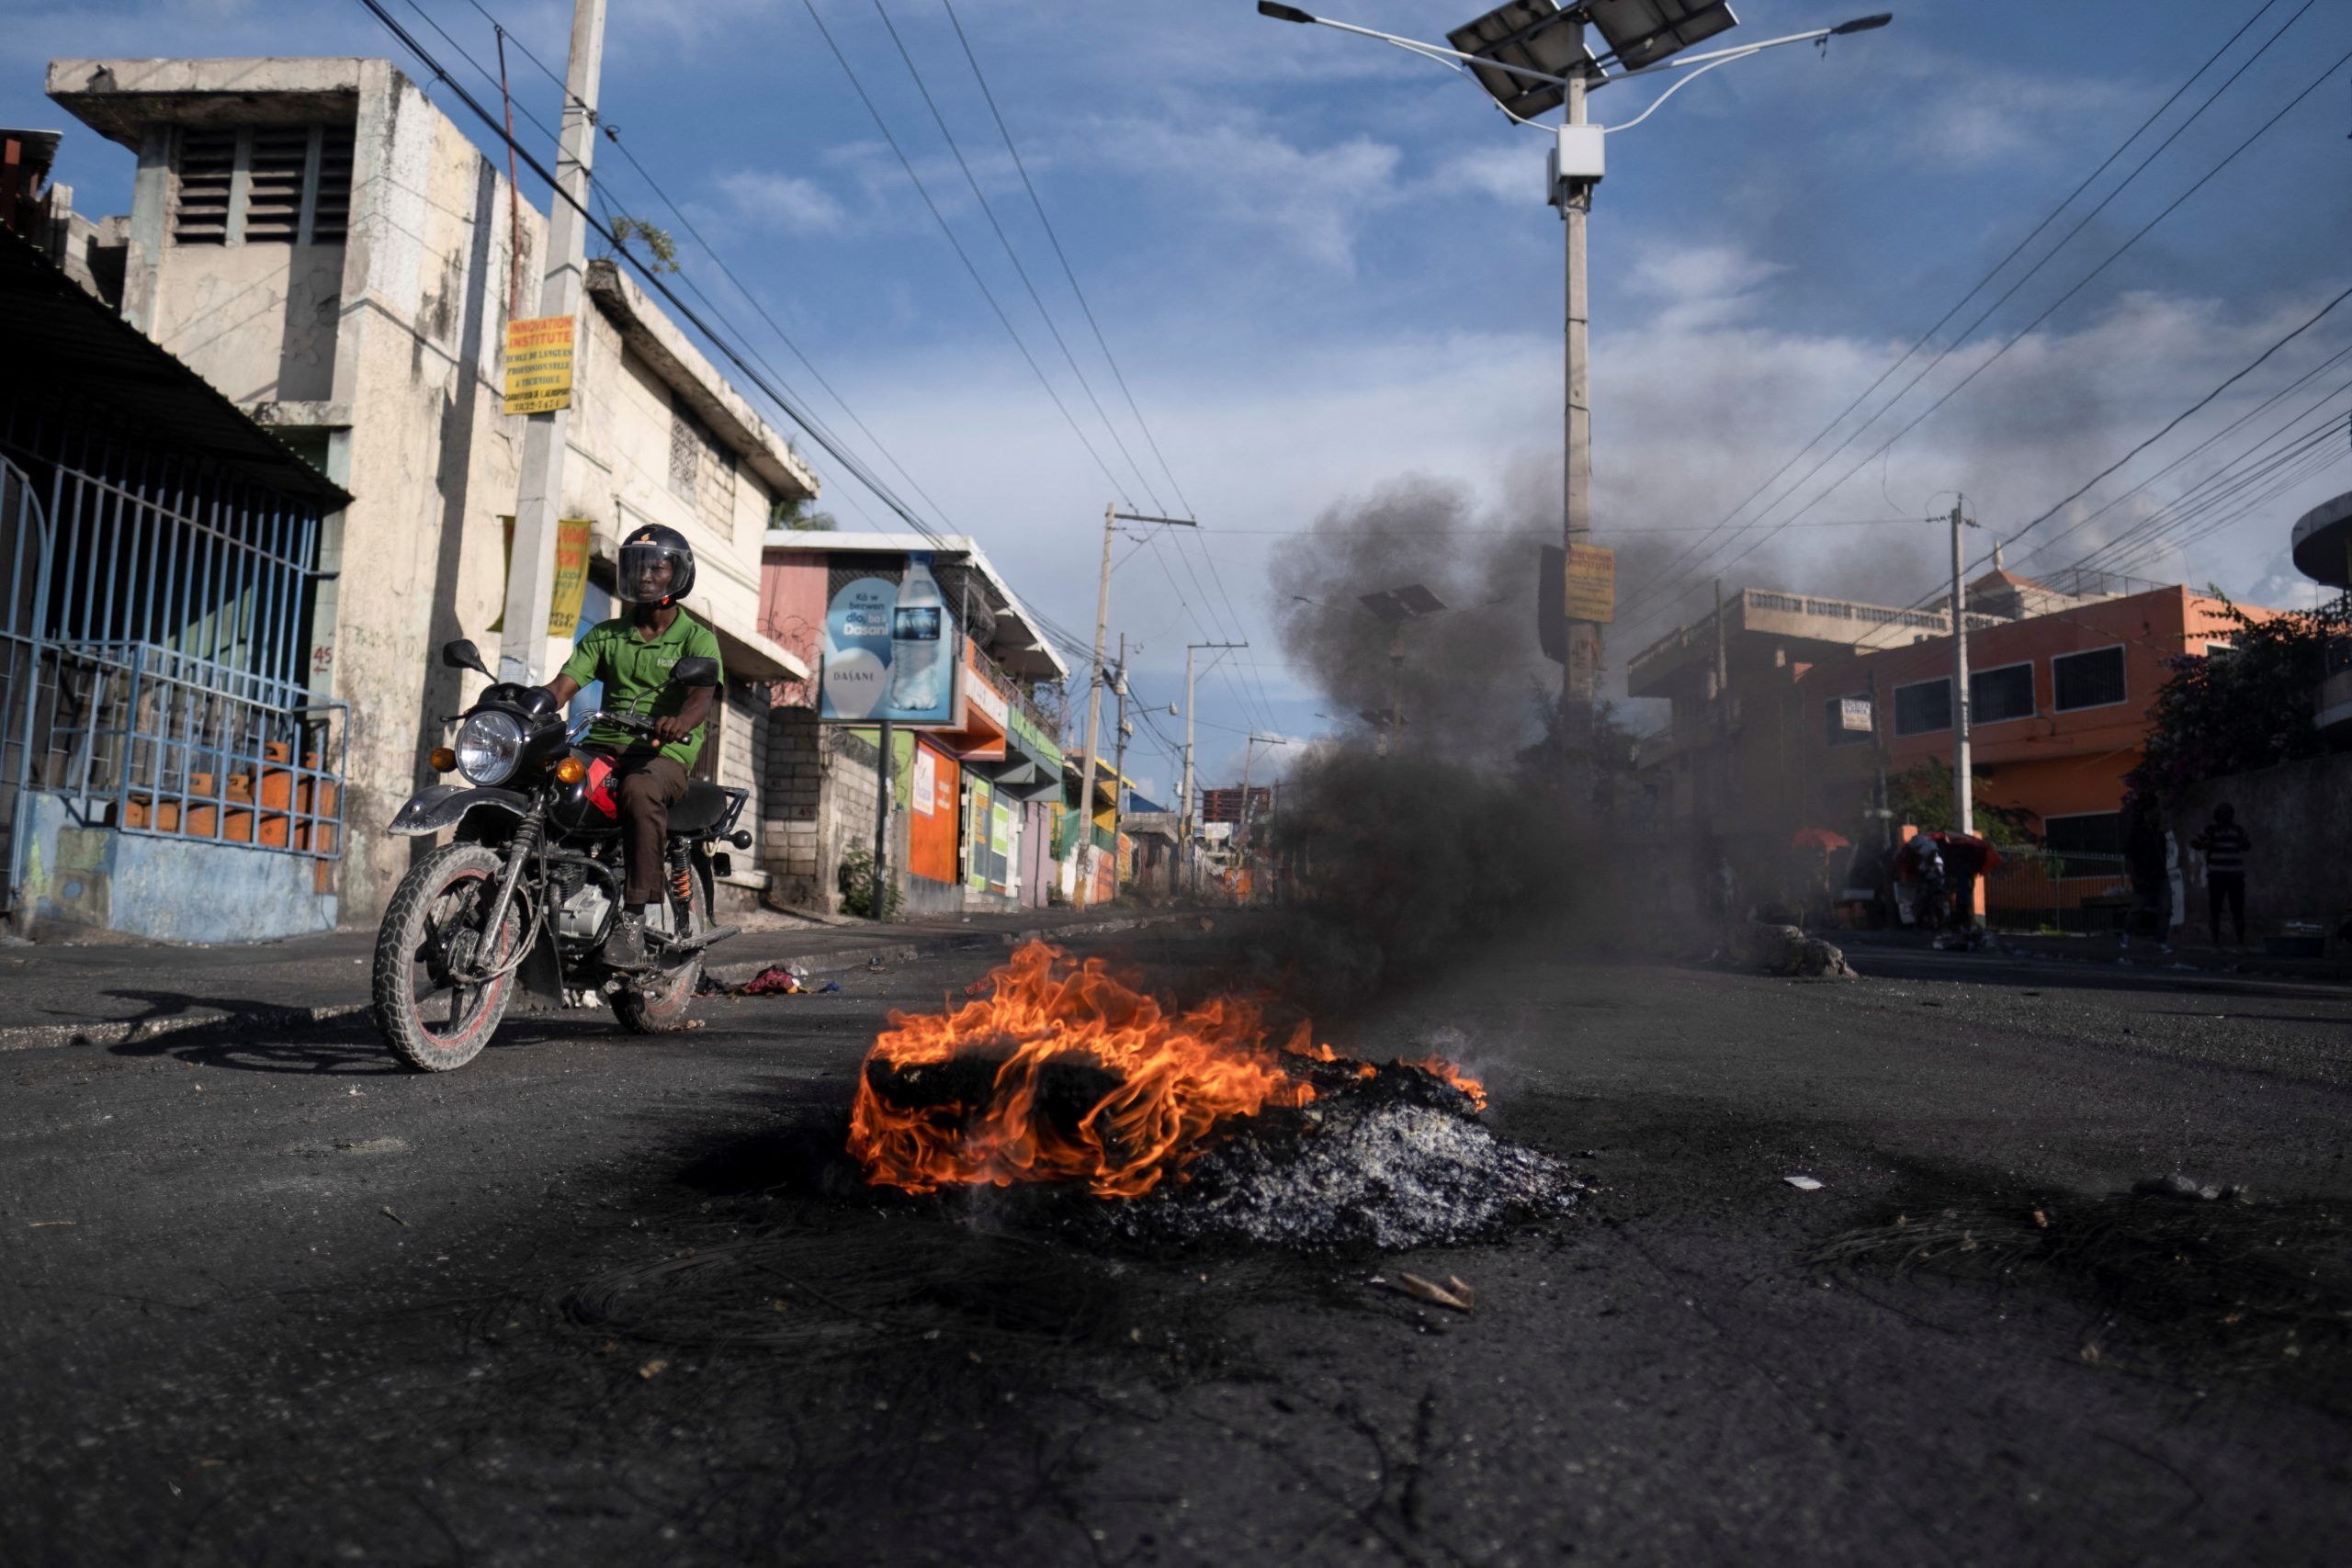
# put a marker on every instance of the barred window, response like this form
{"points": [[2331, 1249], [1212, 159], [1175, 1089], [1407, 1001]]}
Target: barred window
{"points": [[1923, 706], [262, 184], [2090, 680], [1999, 694]]}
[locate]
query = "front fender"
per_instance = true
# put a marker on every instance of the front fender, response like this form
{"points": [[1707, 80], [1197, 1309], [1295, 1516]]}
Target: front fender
{"points": [[443, 806]]}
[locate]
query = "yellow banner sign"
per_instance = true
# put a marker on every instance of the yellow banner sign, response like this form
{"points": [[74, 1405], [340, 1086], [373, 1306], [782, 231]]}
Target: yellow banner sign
{"points": [[538, 365], [570, 574], [1592, 584]]}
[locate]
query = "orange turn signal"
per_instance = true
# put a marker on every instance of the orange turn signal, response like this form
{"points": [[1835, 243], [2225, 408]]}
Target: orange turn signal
{"points": [[442, 759], [571, 771]]}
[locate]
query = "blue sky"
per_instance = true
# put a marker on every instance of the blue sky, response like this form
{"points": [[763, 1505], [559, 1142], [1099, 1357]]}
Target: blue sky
{"points": [[1323, 266]]}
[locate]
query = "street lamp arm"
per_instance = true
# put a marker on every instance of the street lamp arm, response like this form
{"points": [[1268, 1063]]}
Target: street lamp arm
{"points": [[1660, 101], [1716, 57]]}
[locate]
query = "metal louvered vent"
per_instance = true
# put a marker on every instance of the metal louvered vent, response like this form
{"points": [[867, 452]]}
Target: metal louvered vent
{"points": [[264, 185], [208, 166], [331, 205], [273, 173]]}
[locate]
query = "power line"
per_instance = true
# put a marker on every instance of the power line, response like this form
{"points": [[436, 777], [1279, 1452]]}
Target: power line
{"points": [[1647, 589], [988, 211], [2136, 237], [962, 255], [1055, 240], [653, 280]]}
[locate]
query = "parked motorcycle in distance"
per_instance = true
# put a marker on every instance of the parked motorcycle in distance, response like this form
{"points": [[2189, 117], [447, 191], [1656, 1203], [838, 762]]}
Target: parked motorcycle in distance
{"points": [[531, 884]]}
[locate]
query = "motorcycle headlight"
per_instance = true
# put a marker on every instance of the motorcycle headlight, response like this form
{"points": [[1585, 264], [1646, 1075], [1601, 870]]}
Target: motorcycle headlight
{"points": [[490, 748]]}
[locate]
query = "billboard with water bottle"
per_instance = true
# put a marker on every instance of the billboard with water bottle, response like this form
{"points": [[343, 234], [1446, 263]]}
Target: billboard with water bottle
{"points": [[892, 651]]}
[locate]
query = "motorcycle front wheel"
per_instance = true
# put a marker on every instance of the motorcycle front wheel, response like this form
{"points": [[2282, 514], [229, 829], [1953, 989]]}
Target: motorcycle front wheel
{"points": [[431, 934]]}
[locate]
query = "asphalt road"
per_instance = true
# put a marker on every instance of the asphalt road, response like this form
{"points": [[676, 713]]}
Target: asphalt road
{"points": [[597, 1299]]}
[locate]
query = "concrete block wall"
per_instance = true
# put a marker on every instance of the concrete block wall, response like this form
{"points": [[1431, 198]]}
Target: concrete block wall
{"points": [[823, 786]]}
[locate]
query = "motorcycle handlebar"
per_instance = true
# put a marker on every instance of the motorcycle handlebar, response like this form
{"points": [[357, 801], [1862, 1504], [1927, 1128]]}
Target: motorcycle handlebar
{"points": [[635, 723]]}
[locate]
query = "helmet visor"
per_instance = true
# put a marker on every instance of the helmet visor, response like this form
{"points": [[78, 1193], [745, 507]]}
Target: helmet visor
{"points": [[650, 572]]}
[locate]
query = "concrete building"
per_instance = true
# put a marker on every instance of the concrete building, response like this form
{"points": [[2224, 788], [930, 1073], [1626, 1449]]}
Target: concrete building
{"points": [[1785, 708], [973, 797], [322, 245]]}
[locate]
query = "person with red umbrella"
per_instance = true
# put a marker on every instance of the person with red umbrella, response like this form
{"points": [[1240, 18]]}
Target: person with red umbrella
{"points": [[1966, 858]]}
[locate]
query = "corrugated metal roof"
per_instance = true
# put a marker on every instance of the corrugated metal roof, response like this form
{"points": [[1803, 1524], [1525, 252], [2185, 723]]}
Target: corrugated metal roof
{"points": [[55, 332]]}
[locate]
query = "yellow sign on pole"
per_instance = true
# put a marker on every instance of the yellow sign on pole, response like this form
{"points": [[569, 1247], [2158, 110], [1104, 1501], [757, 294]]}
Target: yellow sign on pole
{"points": [[538, 365], [570, 574], [1593, 583]]}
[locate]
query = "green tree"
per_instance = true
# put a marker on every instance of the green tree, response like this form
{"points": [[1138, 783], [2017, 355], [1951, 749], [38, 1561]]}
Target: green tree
{"points": [[795, 515], [2245, 708], [1922, 796]]}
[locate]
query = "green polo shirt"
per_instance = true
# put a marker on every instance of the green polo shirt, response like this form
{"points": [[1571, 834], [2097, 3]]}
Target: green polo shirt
{"points": [[635, 673]]}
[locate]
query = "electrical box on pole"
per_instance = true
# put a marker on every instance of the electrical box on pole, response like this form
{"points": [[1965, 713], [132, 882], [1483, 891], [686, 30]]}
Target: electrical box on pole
{"points": [[1579, 160]]}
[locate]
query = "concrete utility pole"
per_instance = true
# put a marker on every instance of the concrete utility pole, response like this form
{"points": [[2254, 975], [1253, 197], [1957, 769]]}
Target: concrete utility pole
{"points": [[1581, 678], [1112, 517], [539, 501], [1184, 820], [1964, 804], [883, 767], [1119, 766]]}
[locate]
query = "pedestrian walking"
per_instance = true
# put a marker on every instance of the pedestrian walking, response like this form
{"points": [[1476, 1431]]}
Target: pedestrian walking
{"points": [[2224, 845]]}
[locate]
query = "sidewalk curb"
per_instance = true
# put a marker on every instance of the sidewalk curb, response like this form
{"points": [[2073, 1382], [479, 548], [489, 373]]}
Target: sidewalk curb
{"points": [[262, 1022]]}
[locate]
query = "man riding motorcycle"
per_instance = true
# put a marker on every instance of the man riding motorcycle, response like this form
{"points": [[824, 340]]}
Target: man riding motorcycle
{"points": [[633, 657]]}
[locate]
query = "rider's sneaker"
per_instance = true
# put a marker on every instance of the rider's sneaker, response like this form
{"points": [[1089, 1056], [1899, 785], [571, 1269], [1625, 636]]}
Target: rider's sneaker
{"points": [[625, 949]]}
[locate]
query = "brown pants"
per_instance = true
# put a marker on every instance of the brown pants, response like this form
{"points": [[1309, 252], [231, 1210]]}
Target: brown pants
{"points": [[650, 783]]}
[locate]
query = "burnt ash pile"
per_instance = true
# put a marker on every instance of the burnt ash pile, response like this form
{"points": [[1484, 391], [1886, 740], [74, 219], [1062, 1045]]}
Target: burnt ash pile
{"points": [[1396, 1160], [1387, 1158]]}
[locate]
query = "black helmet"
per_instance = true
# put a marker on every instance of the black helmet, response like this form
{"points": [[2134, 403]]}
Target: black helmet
{"points": [[651, 546]]}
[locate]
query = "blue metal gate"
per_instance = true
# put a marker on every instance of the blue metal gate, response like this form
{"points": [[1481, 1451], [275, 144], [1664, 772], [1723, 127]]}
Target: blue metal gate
{"points": [[153, 653], [25, 551]]}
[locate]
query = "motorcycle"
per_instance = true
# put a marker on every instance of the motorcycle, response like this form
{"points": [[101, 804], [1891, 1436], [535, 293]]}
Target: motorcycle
{"points": [[531, 885]]}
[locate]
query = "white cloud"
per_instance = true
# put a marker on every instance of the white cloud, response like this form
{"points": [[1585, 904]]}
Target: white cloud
{"points": [[1311, 201], [783, 201]]}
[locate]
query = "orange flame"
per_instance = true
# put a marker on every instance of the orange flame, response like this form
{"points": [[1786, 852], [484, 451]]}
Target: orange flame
{"points": [[1438, 1066], [1178, 1075]]}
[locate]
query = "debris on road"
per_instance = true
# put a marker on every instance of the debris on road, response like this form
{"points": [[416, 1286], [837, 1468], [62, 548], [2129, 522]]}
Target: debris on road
{"points": [[44, 1224], [1787, 951], [653, 1370], [394, 1218], [1802, 1183], [1453, 1294], [2177, 1185], [775, 980]]}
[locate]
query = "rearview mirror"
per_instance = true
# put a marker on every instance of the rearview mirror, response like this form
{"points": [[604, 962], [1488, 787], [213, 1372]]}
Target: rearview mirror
{"points": [[695, 672], [463, 655]]}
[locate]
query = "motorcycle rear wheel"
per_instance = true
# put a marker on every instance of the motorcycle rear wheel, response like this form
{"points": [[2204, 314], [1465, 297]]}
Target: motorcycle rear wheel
{"points": [[431, 1022], [657, 1003]]}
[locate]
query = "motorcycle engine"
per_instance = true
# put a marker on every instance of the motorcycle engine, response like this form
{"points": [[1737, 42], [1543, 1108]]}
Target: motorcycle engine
{"points": [[581, 917]]}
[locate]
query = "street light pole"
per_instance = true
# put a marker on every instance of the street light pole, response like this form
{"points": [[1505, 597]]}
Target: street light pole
{"points": [[1501, 61], [1581, 678]]}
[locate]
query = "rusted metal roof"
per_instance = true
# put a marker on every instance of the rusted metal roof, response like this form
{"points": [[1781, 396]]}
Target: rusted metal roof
{"points": [[56, 332]]}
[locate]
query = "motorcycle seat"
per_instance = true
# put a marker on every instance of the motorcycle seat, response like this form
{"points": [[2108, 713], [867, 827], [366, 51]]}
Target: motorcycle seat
{"points": [[703, 807]]}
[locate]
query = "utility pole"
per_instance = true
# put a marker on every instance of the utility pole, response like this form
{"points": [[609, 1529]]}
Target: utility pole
{"points": [[1112, 517], [1184, 821], [1119, 767], [883, 768], [1964, 805], [539, 501], [1580, 677]]}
